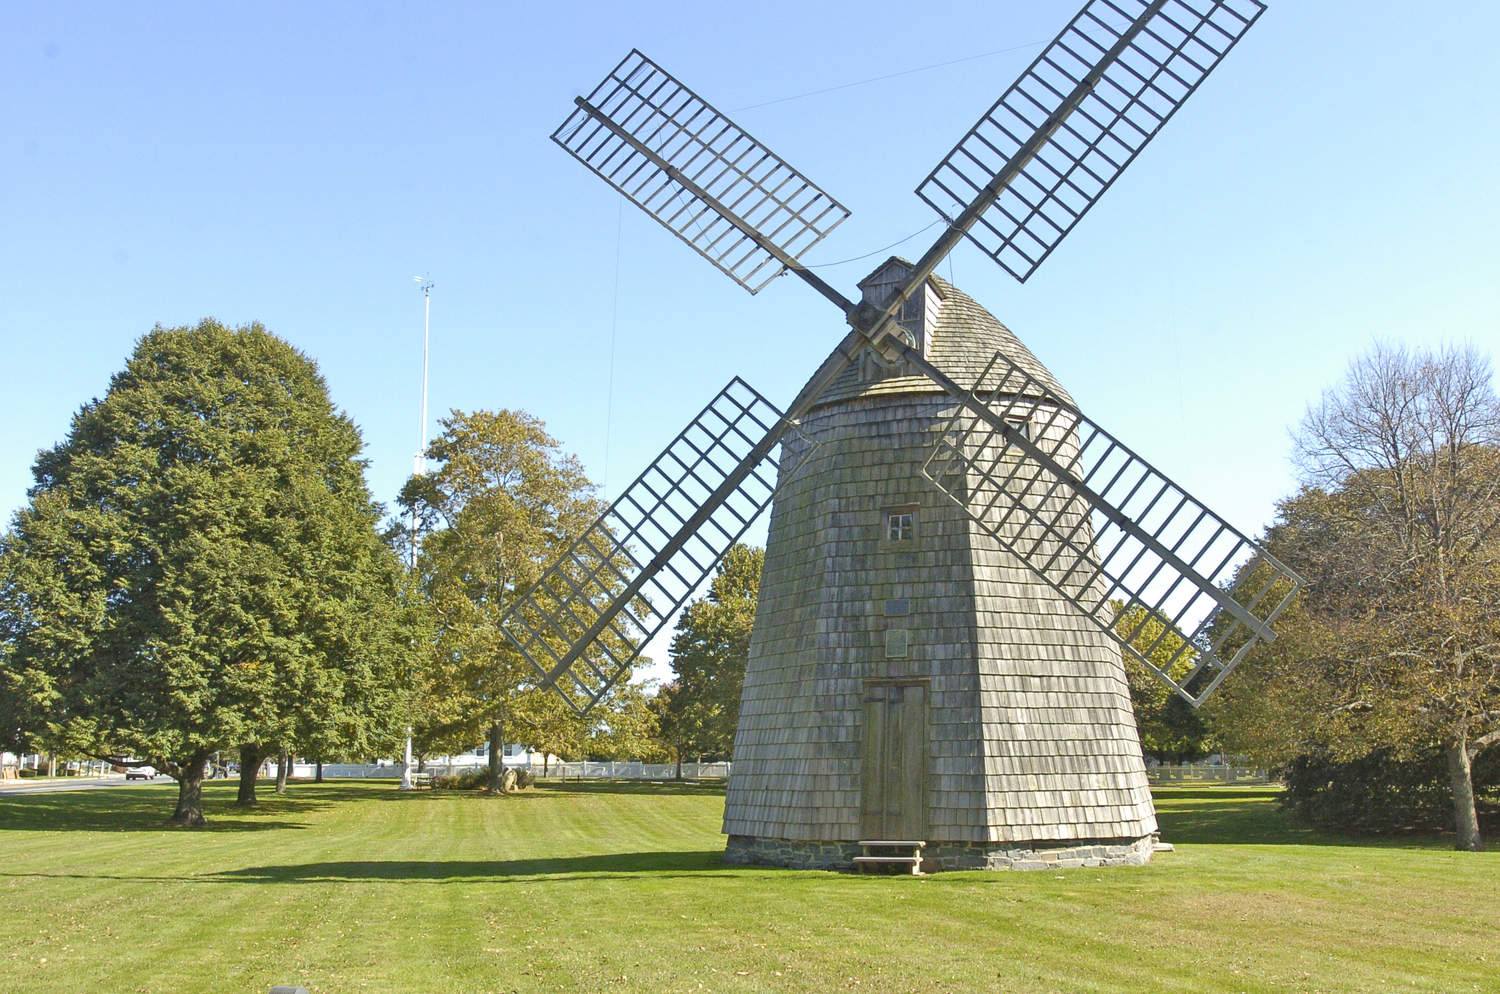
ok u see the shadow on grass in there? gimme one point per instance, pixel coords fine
(585, 867)
(146, 809)
(1230, 816)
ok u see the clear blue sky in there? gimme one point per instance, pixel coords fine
(1332, 183)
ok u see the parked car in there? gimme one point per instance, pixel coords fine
(140, 773)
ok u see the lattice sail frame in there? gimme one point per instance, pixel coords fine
(1138, 93)
(602, 585)
(707, 151)
(1109, 532)
(1086, 106)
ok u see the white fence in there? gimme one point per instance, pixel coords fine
(635, 771)
(553, 771)
(356, 771)
(1161, 775)
(1205, 774)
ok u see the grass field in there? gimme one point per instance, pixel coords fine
(618, 887)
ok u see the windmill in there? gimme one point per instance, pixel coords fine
(953, 543)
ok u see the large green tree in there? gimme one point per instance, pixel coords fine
(502, 505)
(701, 707)
(542, 722)
(1169, 728)
(624, 725)
(1394, 647)
(199, 562)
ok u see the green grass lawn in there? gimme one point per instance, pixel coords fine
(618, 887)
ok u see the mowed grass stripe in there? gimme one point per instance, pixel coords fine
(586, 887)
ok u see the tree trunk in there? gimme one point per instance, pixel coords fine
(421, 762)
(250, 758)
(282, 762)
(189, 813)
(679, 763)
(319, 777)
(52, 764)
(1465, 818)
(497, 755)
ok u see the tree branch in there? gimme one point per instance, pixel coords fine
(1476, 746)
(117, 761)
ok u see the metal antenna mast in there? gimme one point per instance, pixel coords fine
(419, 464)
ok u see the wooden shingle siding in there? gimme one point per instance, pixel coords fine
(1031, 737)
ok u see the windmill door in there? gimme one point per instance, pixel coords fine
(893, 763)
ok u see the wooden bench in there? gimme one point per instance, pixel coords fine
(420, 780)
(884, 854)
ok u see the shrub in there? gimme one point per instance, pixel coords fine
(475, 779)
(479, 779)
(1378, 792)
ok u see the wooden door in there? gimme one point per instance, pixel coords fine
(893, 763)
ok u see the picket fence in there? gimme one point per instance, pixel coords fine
(720, 771)
(553, 771)
(635, 771)
(1205, 774)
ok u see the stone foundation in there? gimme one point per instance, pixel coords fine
(748, 850)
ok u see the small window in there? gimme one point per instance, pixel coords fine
(1021, 425)
(895, 643)
(900, 526)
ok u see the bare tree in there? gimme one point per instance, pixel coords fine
(1396, 531)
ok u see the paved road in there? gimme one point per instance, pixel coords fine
(11, 787)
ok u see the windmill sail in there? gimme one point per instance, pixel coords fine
(588, 617)
(1016, 184)
(698, 173)
(1109, 532)
(1068, 127)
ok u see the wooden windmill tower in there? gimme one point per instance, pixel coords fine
(910, 679)
(936, 653)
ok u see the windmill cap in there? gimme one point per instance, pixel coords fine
(957, 335)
